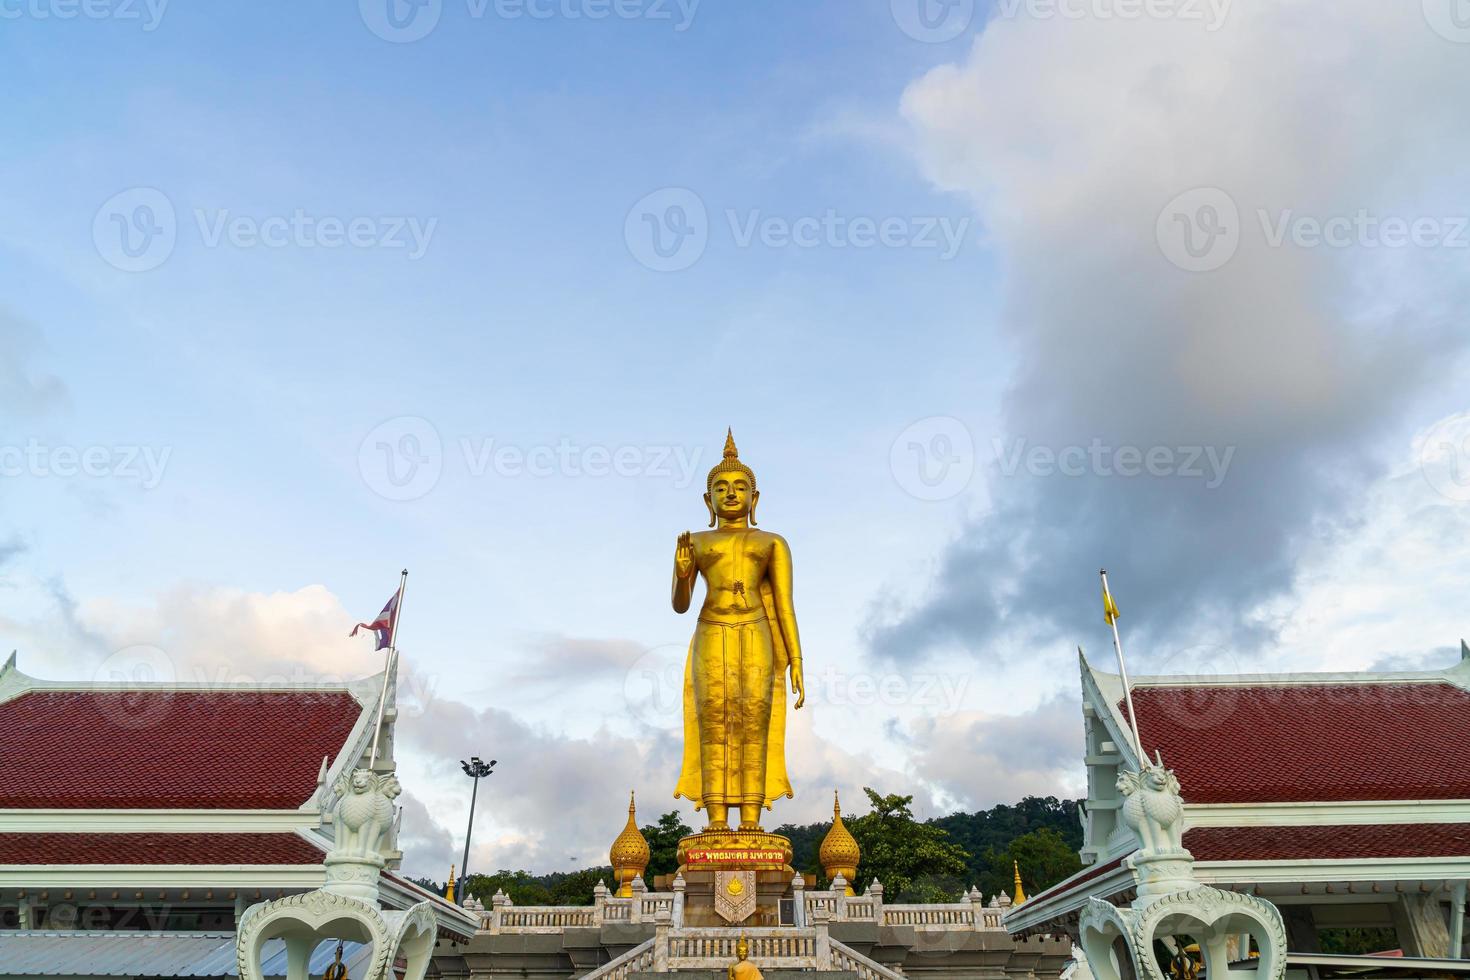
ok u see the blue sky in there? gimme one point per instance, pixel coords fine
(524, 154)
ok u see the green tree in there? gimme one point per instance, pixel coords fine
(914, 861)
(1044, 856)
(663, 843)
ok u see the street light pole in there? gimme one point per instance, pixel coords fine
(475, 769)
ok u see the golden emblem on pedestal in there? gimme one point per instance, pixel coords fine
(630, 853)
(744, 645)
(839, 853)
(735, 895)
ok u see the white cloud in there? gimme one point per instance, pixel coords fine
(1072, 137)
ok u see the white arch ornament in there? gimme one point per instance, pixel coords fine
(1171, 903)
(346, 907)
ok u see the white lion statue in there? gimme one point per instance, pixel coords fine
(1153, 807)
(365, 812)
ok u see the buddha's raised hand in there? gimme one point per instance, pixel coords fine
(684, 556)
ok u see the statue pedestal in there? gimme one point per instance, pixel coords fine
(735, 878)
(699, 900)
(735, 850)
(353, 877)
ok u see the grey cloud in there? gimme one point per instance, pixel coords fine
(1303, 361)
(567, 796)
(24, 391)
(980, 761)
(426, 844)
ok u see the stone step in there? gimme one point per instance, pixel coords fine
(771, 974)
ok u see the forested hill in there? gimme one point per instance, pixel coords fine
(1042, 834)
(917, 861)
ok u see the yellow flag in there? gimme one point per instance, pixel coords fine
(1110, 608)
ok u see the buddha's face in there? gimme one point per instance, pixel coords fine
(731, 496)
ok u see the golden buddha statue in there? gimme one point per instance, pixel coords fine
(744, 644)
(742, 968)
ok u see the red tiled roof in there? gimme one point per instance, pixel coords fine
(130, 849)
(1311, 742)
(1431, 840)
(169, 749)
(1081, 878)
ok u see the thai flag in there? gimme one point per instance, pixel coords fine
(383, 625)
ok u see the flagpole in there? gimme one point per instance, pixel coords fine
(388, 669)
(1123, 673)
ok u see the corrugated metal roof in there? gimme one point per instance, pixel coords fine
(148, 954)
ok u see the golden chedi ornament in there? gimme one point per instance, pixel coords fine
(839, 853)
(630, 853)
(1020, 896)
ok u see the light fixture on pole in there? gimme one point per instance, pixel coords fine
(476, 768)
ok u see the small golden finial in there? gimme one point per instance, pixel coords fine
(730, 450)
(630, 853)
(449, 892)
(839, 853)
(1020, 896)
